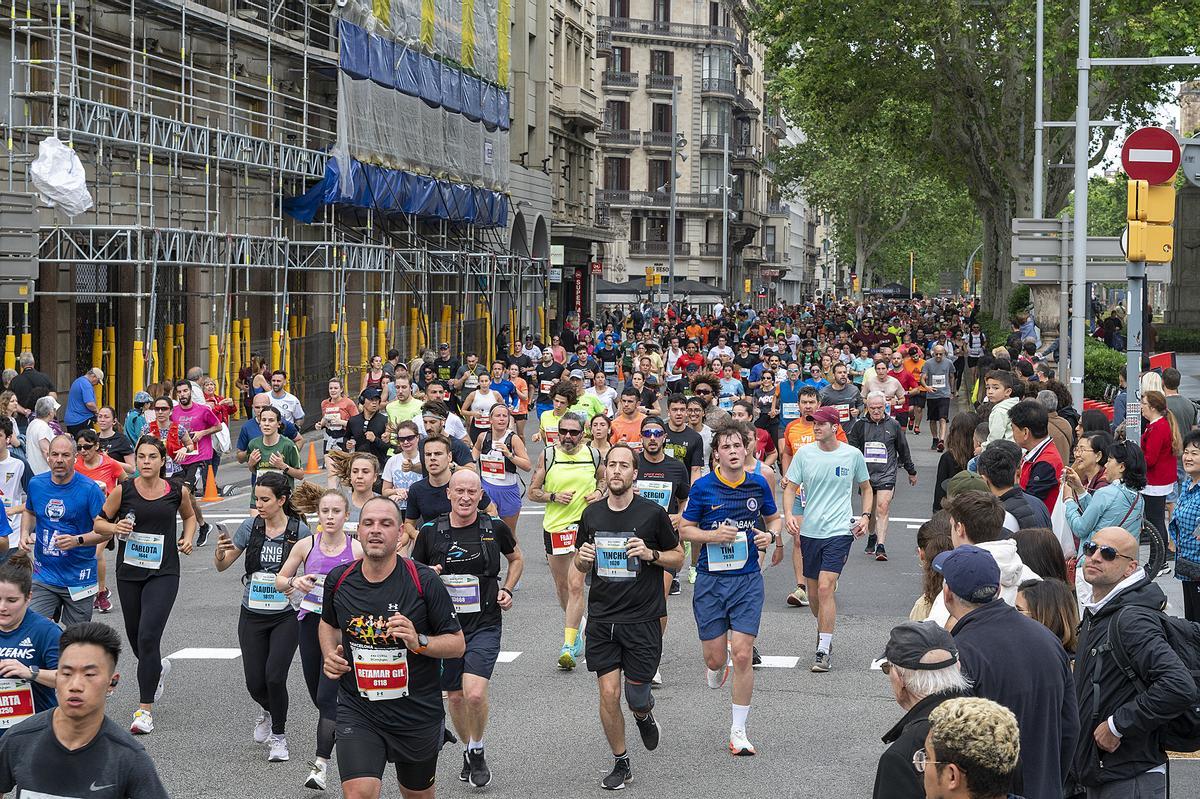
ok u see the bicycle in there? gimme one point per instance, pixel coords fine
(1152, 550)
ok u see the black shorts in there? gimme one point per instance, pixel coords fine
(363, 750)
(549, 544)
(191, 475)
(883, 486)
(483, 647)
(917, 401)
(520, 417)
(634, 648)
(939, 408)
(972, 362)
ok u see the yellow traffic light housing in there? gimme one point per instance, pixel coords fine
(1150, 209)
(1151, 243)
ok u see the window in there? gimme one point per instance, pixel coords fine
(660, 174)
(618, 8)
(616, 174)
(718, 63)
(714, 13)
(620, 60)
(769, 242)
(710, 173)
(657, 227)
(616, 115)
(662, 10)
(714, 117)
(660, 116)
(662, 62)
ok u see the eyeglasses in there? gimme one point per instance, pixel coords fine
(563, 432)
(920, 760)
(1107, 553)
(653, 433)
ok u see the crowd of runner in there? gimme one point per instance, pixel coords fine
(668, 448)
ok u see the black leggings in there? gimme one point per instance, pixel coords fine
(1191, 600)
(321, 689)
(268, 642)
(146, 606)
(1156, 513)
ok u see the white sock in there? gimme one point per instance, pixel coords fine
(824, 642)
(739, 716)
(474, 744)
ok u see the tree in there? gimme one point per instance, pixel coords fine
(1106, 205)
(967, 70)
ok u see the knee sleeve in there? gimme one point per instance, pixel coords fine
(637, 696)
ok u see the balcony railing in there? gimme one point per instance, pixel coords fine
(718, 86)
(712, 141)
(662, 82)
(603, 41)
(620, 80)
(658, 248)
(711, 250)
(618, 137)
(775, 122)
(653, 199)
(752, 252)
(744, 103)
(777, 208)
(748, 152)
(657, 138)
(626, 26)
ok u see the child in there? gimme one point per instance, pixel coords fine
(1000, 386)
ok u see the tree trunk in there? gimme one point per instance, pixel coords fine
(997, 257)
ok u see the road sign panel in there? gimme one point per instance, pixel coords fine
(1151, 154)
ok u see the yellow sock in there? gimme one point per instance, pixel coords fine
(569, 635)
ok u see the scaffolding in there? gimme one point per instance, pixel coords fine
(195, 120)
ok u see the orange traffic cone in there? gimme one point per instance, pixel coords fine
(312, 467)
(210, 487)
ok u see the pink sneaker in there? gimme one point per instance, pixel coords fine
(102, 603)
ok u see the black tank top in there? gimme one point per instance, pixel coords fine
(155, 525)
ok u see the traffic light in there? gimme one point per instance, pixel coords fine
(1150, 209)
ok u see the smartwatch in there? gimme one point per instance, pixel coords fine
(79, 538)
(422, 642)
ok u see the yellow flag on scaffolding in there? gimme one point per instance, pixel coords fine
(383, 12)
(468, 34)
(503, 29)
(428, 20)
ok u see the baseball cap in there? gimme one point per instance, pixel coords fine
(971, 572)
(141, 398)
(825, 414)
(964, 481)
(443, 346)
(370, 393)
(576, 374)
(911, 641)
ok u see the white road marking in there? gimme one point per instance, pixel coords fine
(508, 657)
(779, 662)
(913, 526)
(903, 519)
(203, 653)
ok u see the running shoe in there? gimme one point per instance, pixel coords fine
(739, 744)
(871, 541)
(755, 658)
(649, 730)
(692, 575)
(103, 603)
(941, 447)
(798, 598)
(880, 553)
(910, 427)
(821, 662)
(202, 534)
(143, 722)
(916, 430)
(656, 680)
(481, 775)
(316, 777)
(676, 590)
(465, 774)
(162, 678)
(279, 750)
(262, 728)
(566, 658)
(621, 774)
(717, 677)
(933, 444)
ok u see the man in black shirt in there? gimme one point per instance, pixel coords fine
(427, 498)
(386, 625)
(445, 365)
(546, 374)
(683, 443)
(663, 480)
(365, 431)
(30, 386)
(464, 547)
(625, 542)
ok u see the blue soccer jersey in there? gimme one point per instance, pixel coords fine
(713, 500)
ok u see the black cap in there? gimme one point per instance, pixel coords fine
(912, 640)
(370, 393)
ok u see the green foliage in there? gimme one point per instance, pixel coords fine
(1106, 205)
(1101, 367)
(1178, 339)
(1018, 300)
(996, 332)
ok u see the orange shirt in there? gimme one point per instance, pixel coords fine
(522, 394)
(106, 474)
(627, 431)
(800, 432)
(914, 368)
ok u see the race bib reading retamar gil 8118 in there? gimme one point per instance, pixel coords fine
(380, 673)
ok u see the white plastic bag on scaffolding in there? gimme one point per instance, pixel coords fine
(58, 176)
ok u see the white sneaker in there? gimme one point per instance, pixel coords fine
(739, 745)
(279, 750)
(656, 680)
(143, 722)
(717, 677)
(262, 728)
(316, 777)
(162, 678)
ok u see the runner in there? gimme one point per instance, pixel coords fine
(520, 412)
(336, 412)
(766, 399)
(173, 435)
(427, 497)
(911, 387)
(888, 384)
(113, 442)
(478, 406)
(201, 424)
(627, 424)
(828, 470)
(682, 442)
(404, 468)
(464, 547)
(663, 480)
(267, 629)
(844, 396)
(547, 373)
(566, 480)
(563, 396)
(28, 643)
(57, 528)
(626, 543)
(106, 472)
(386, 625)
(363, 471)
(599, 436)
(938, 386)
(303, 575)
(914, 364)
(723, 513)
(73, 747)
(883, 445)
(270, 452)
(500, 452)
(146, 507)
(12, 481)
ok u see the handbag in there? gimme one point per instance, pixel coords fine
(221, 441)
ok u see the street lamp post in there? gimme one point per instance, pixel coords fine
(725, 189)
(671, 221)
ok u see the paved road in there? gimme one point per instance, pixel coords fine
(817, 735)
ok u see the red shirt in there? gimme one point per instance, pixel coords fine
(908, 383)
(222, 407)
(1160, 460)
(686, 360)
(764, 445)
(106, 474)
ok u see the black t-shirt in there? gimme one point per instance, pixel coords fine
(523, 361)
(112, 766)
(623, 596)
(685, 446)
(30, 386)
(465, 557)
(546, 377)
(361, 609)
(460, 453)
(649, 398)
(356, 431)
(116, 446)
(427, 501)
(669, 471)
(446, 368)
(154, 539)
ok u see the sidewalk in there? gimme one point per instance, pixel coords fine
(1189, 369)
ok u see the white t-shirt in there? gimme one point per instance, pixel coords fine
(608, 398)
(393, 472)
(454, 427)
(11, 472)
(39, 431)
(289, 407)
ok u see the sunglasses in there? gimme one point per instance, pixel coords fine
(84, 447)
(562, 432)
(406, 439)
(162, 409)
(700, 393)
(1107, 553)
(653, 434)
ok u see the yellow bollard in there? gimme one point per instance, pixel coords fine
(110, 364)
(155, 372)
(246, 341)
(275, 352)
(214, 356)
(26, 342)
(138, 369)
(98, 362)
(303, 325)
(10, 351)
(235, 350)
(337, 349)
(381, 336)
(542, 325)
(168, 369)
(181, 342)
(513, 331)
(445, 333)
(414, 346)
(364, 343)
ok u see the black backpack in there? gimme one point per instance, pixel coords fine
(489, 548)
(258, 537)
(1182, 733)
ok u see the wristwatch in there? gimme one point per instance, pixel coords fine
(33, 673)
(654, 555)
(422, 643)
(79, 538)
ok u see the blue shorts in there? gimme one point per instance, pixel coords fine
(727, 602)
(507, 499)
(483, 649)
(825, 554)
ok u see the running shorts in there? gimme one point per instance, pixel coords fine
(483, 648)
(364, 750)
(635, 648)
(727, 602)
(939, 408)
(825, 554)
(507, 499)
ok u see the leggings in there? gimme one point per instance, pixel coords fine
(321, 689)
(268, 642)
(146, 606)
(1156, 513)
(1191, 600)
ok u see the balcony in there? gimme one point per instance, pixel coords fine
(658, 248)
(752, 252)
(580, 106)
(748, 152)
(742, 55)
(663, 83)
(774, 122)
(626, 28)
(620, 81)
(603, 42)
(778, 208)
(657, 140)
(618, 137)
(688, 201)
(712, 141)
(708, 250)
(771, 165)
(721, 86)
(743, 105)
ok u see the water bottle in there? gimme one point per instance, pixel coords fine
(130, 517)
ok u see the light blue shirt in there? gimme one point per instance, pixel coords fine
(829, 480)
(1114, 505)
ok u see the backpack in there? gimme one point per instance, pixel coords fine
(487, 539)
(409, 564)
(550, 457)
(1182, 733)
(258, 537)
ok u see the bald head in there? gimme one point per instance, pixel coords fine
(464, 491)
(1119, 539)
(1111, 556)
(465, 478)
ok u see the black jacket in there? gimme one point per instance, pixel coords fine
(1013, 660)
(895, 778)
(1138, 717)
(1028, 510)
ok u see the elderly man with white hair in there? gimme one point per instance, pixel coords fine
(921, 662)
(81, 401)
(881, 440)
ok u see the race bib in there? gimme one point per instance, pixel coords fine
(725, 403)
(635, 445)
(144, 550)
(464, 592)
(16, 702)
(937, 381)
(350, 529)
(728, 557)
(551, 437)
(563, 543)
(483, 422)
(612, 561)
(471, 381)
(380, 674)
(315, 599)
(658, 491)
(334, 421)
(79, 592)
(492, 464)
(610, 367)
(875, 452)
(791, 409)
(545, 386)
(263, 593)
(843, 413)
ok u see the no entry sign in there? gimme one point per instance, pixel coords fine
(1150, 154)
